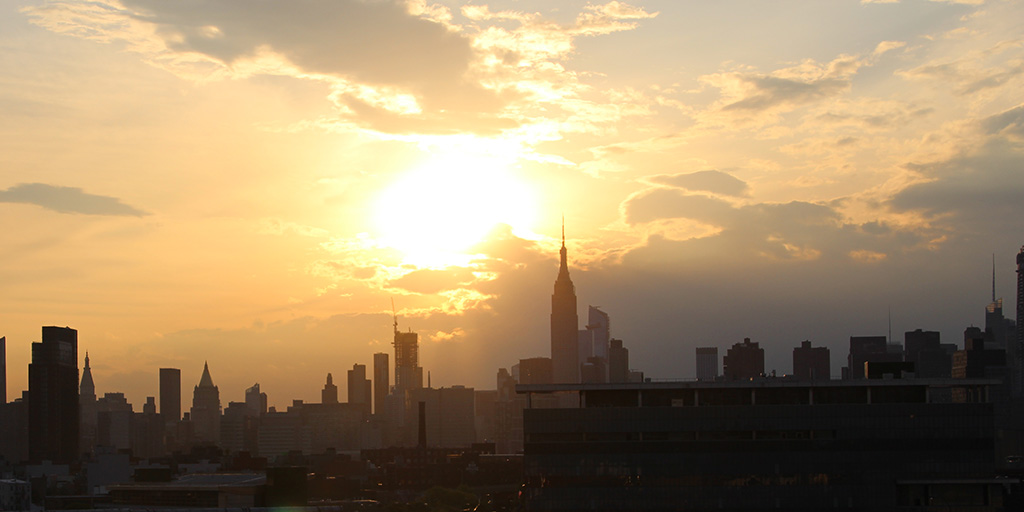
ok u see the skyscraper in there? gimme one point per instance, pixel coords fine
(206, 409)
(618, 362)
(3, 370)
(564, 325)
(359, 391)
(53, 397)
(170, 394)
(329, 395)
(599, 324)
(408, 374)
(87, 409)
(381, 381)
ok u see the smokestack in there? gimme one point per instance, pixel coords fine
(423, 425)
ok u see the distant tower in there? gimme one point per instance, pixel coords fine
(206, 409)
(707, 363)
(3, 370)
(87, 408)
(811, 363)
(564, 324)
(381, 381)
(359, 390)
(618, 362)
(256, 401)
(1018, 352)
(408, 373)
(53, 416)
(170, 395)
(743, 361)
(329, 395)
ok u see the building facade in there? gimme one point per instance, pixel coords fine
(53, 415)
(742, 445)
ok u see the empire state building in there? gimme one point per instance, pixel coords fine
(564, 325)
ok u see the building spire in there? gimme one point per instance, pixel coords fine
(993, 277)
(206, 381)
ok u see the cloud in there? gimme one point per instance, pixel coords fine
(67, 200)
(431, 281)
(715, 182)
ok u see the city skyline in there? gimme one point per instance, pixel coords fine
(188, 184)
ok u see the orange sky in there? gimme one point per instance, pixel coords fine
(253, 183)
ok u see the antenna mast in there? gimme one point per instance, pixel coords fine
(394, 314)
(993, 277)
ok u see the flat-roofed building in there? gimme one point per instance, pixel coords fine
(766, 444)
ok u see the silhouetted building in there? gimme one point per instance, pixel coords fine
(450, 417)
(593, 371)
(206, 409)
(381, 381)
(329, 395)
(599, 324)
(932, 359)
(359, 390)
(508, 414)
(255, 400)
(53, 417)
(811, 363)
(87, 409)
(772, 444)
(238, 428)
(564, 324)
(535, 370)
(707, 363)
(148, 427)
(408, 373)
(618, 362)
(1019, 341)
(3, 370)
(114, 421)
(868, 348)
(743, 361)
(170, 395)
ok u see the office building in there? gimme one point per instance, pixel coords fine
(450, 420)
(868, 348)
(1019, 348)
(931, 358)
(329, 395)
(170, 395)
(535, 370)
(707, 363)
(53, 416)
(359, 390)
(618, 362)
(255, 401)
(206, 409)
(811, 363)
(766, 445)
(564, 324)
(381, 381)
(743, 361)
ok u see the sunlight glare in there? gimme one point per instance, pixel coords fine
(435, 213)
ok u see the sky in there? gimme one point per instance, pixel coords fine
(254, 183)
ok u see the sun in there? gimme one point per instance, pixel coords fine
(436, 212)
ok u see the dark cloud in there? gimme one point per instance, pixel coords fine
(769, 92)
(662, 203)
(716, 182)
(979, 190)
(375, 43)
(1009, 122)
(430, 281)
(67, 200)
